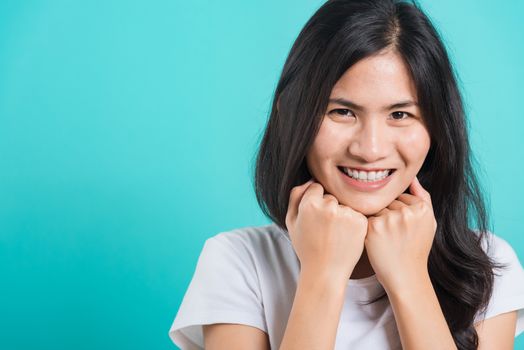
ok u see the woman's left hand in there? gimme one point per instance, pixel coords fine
(399, 239)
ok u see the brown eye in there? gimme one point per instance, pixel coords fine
(399, 115)
(343, 112)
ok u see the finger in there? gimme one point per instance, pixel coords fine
(296, 196)
(382, 212)
(314, 192)
(408, 199)
(417, 190)
(396, 205)
(330, 198)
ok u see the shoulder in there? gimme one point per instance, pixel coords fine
(508, 285)
(252, 234)
(498, 249)
(252, 240)
(228, 282)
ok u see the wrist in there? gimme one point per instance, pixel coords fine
(410, 285)
(323, 278)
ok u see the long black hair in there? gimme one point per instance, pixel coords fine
(339, 34)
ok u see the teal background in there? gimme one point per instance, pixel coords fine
(127, 134)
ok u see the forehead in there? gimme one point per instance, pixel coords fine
(376, 80)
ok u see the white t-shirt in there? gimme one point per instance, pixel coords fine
(249, 276)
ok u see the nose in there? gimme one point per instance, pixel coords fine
(371, 141)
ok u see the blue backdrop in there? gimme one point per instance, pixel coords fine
(127, 135)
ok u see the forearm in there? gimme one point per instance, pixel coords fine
(420, 321)
(315, 313)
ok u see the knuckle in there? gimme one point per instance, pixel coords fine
(346, 213)
(363, 225)
(405, 212)
(308, 205)
(331, 210)
(333, 197)
(423, 206)
(329, 197)
(361, 219)
(294, 191)
(304, 205)
(316, 185)
(393, 217)
(293, 194)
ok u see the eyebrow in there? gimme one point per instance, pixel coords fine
(353, 105)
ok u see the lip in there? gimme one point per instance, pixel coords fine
(365, 186)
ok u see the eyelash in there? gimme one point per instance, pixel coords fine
(348, 110)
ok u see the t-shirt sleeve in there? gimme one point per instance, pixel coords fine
(508, 288)
(224, 289)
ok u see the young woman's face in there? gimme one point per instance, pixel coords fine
(372, 124)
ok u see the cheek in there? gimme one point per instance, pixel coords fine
(415, 145)
(327, 145)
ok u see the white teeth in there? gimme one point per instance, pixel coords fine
(367, 176)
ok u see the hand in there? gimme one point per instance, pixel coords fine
(400, 237)
(328, 237)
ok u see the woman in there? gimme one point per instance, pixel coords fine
(365, 171)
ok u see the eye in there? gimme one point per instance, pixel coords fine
(400, 115)
(342, 112)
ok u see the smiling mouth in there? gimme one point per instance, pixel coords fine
(366, 176)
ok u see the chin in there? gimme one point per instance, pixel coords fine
(366, 209)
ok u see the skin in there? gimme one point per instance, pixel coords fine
(386, 231)
(374, 137)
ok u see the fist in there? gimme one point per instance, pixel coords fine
(327, 237)
(400, 237)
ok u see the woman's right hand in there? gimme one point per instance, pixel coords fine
(328, 237)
